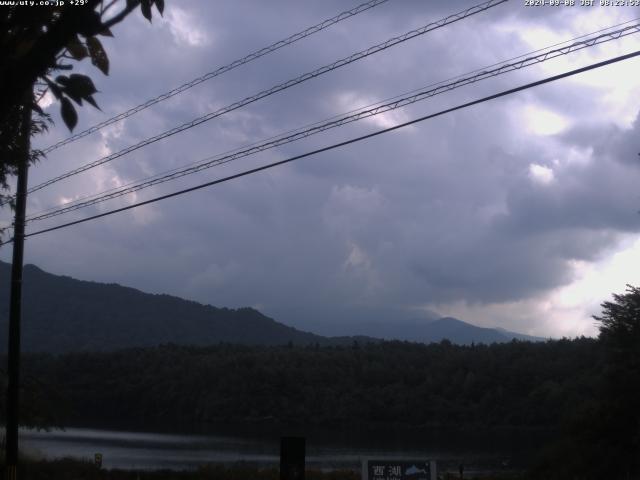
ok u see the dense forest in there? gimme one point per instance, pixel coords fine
(582, 394)
(531, 389)
(393, 383)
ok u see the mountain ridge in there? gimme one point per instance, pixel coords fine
(63, 314)
(433, 330)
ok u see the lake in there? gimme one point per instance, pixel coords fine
(139, 450)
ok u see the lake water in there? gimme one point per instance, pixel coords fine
(152, 451)
(135, 450)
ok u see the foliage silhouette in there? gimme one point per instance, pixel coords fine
(35, 43)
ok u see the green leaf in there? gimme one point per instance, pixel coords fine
(77, 87)
(69, 115)
(90, 23)
(91, 100)
(73, 96)
(98, 55)
(77, 50)
(82, 84)
(145, 7)
(160, 6)
(62, 80)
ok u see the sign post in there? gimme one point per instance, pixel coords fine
(292, 458)
(398, 469)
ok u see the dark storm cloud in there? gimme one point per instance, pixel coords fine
(445, 211)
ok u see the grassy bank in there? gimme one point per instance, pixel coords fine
(81, 470)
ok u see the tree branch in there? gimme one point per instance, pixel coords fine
(41, 96)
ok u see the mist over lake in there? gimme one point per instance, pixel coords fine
(154, 451)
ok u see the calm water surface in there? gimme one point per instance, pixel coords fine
(133, 450)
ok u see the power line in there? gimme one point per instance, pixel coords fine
(342, 144)
(451, 79)
(219, 71)
(282, 86)
(398, 102)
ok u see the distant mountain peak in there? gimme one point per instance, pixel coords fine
(63, 314)
(430, 330)
(520, 336)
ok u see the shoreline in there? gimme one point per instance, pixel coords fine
(67, 468)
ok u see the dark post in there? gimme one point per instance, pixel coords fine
(13, 367)
(292, 458)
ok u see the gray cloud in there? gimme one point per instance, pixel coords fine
(440, 212)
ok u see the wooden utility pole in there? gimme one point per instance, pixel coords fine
(15, 305)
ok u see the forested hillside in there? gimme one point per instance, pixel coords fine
(62, 314)
(394, 383)
(571, 394)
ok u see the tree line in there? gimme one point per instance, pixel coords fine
(584, 392)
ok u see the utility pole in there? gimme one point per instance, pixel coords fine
(15, 305)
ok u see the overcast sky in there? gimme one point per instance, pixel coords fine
(520, 213)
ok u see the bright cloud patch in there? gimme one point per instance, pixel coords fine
(357, 258)
(540, 174)
(46, 101)
(583, 297)
(351, 101)
(543, 122)
(184, 29)
(565, 311)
